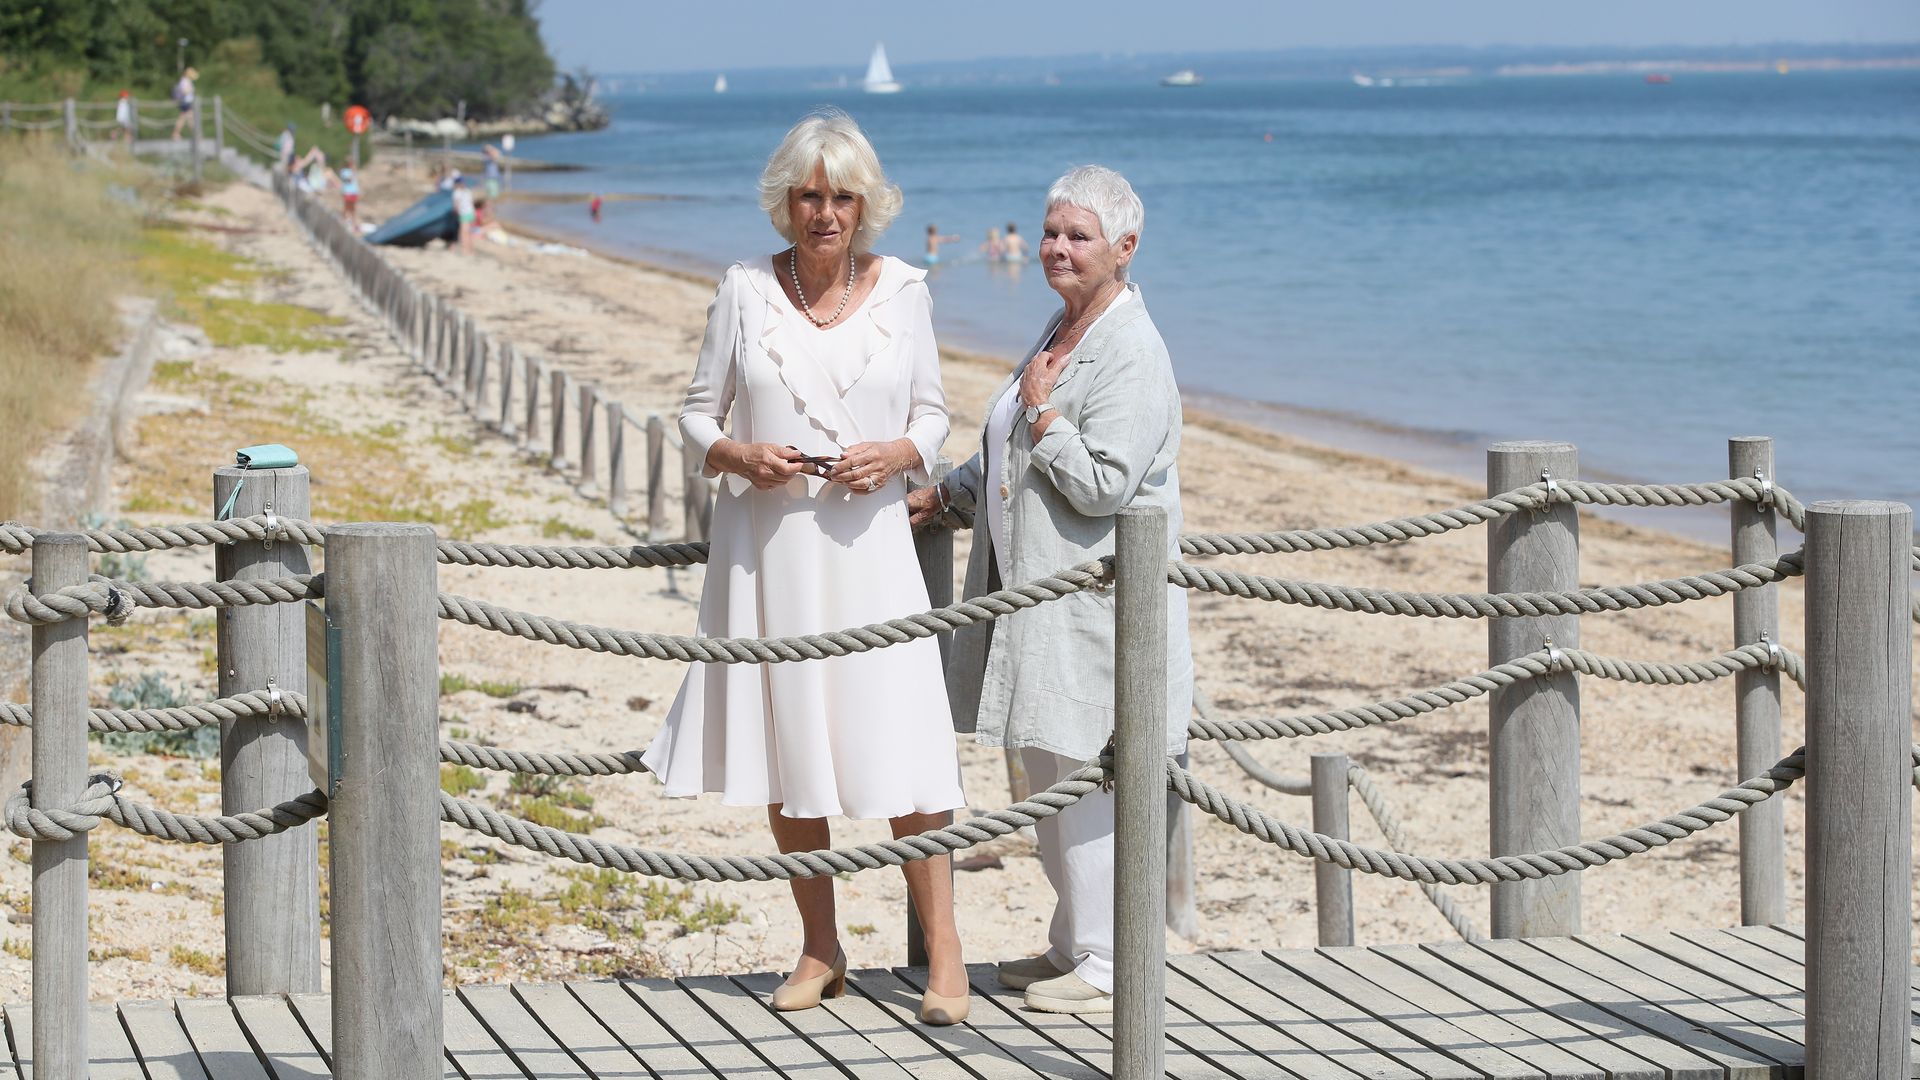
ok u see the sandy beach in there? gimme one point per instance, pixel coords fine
(384, 441)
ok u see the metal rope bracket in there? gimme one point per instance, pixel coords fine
(1765, 501)
(1546, 497)
(1556, 660)
(1773, 652)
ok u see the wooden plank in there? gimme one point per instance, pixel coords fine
(1265, 1043)
(897, 1002)
(475, 1051)
(1069, 1033)
(1435, 997)
(639, 1031)
(910, 1045)
(1388, 1006)
(1537, 1023)
(1005, 1030)
(695, 1028)
(1738, 1062)
(1660, 981)
(1781, 1031)
(315, 1012)
(20, 1034)
(754, 1024)
(855, 1050)
(223, 1047)
(520, 1033)
(1677, 1061)
(573, 1027)
(277, 1032)
(162, 1044)
(109, 1055)
(1307, 996)
(1292, 1024)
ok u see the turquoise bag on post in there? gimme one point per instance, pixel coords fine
(264, 456)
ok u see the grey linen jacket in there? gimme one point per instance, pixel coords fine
(1043, 677)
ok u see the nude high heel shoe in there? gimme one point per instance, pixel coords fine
(792, 996)
(938, 1010)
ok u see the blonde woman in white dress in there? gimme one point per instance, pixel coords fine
(821, 351)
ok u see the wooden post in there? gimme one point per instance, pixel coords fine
(1140, 787)
(385, 841)
(558, 459)
(1756, 694)
(197, 174)
(442, 341)
(509, 360)
(1534, 739)
(73, 126)
(1332, 885)
(588, 395)
(272, 884)
(483, 358)
(474, 356)
(616, 459)
(695, 504)
(219, 128)
(1859, 789)
(530, 432)
(60, 718)
(656, 477)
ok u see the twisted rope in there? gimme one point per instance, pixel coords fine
(102, 802)
(244, 706)
(1531, 666)
(117, 599)
(1362, 784)
(800, 864)
(1484, 605)
(772, 650)
(1570, 859)
(546, 764)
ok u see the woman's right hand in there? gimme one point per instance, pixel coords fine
(924, 504)
(765, 465)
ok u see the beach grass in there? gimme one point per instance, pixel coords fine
(68, 240)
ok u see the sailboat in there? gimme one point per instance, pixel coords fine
(879, 78)
(720, 83)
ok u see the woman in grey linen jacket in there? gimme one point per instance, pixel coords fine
(1087, 424)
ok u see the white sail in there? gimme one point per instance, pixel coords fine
(720, 84)
(879, 78)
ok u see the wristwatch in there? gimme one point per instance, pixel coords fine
(1035, 412)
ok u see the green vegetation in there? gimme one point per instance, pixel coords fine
(198, 962)
(555, 529)
(153, 691)
(453, 683)
(66, 240)
(406, 57)
(458, 780)
(196, 273)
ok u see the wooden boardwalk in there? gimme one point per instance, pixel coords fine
(1710, 1003)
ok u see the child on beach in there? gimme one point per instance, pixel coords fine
(350, 196)
(593, 208)
(463, 206)
(934, 239)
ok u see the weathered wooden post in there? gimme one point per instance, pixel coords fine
(1756, 692)
(385, 842)
(589, 393)
(1140, 787)
(1332, 885)
(197, 173)
(696, 504)
(219, 128)
(558, 457)
(509, 360)
(1534, 737)
(60, 718)
(532, 429)
(483, 358)
(1859, 789)
(73, 126)
(656, 477)
(272, 884)
(616, 459)
(475, 358)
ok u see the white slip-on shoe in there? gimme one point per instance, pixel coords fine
(1068, 993)
(1020, 974)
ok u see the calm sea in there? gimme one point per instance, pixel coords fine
(1641, 269)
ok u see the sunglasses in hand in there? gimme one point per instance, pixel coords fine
(820, 464)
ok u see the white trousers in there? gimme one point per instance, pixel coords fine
(1076, 849)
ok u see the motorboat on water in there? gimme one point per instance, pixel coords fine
(430, 219)
(879, 78)
(1183, 77)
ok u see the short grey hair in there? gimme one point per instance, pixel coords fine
(1106, 195)
(830, 138)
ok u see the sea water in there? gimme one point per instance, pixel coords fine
(1640, 269)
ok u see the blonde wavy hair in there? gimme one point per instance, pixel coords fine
(830, 138)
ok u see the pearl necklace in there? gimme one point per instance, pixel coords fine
(793, 271)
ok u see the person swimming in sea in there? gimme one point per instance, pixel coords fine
(1014, 247)
(935, 238)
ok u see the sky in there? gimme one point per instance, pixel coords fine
(641, 36)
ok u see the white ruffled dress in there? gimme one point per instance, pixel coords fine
(863, 736)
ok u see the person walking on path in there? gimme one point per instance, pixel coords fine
(183, 98)
(123, 116)
(349, 196)
(823, 358)
(1088, 423)
(463, 208)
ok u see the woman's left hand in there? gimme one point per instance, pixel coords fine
(868, 466)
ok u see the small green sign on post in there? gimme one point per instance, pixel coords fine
(323, 699)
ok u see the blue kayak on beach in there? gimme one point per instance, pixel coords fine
(432, 218)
